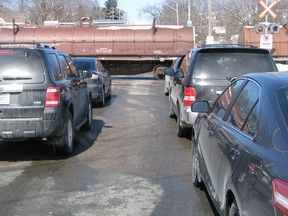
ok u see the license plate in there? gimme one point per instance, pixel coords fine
(4, 98)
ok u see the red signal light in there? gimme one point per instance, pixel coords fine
(274, 28)
(260, 28)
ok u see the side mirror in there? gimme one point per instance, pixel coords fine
(180, 74)
(200, 106)
(86, 74)
(169, 71)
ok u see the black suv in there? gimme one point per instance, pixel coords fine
(42, 95)
(211, 69)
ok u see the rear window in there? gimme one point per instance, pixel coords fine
(85, 64)
(23, 66)
(228, 65)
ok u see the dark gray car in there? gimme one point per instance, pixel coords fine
(99, 83)
(42, 95)
(211, 69)
(240, 149)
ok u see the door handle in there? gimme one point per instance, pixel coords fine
(211, 133)
(234, 152)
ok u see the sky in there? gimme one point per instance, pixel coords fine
(132, 7)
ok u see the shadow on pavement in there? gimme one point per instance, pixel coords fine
(37, 149)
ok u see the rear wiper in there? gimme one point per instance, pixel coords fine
(16, 78)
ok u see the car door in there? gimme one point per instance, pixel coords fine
(211, 155)
(231, 138)
(176, 90)
(77, 87)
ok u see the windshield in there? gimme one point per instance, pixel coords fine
(228, 65)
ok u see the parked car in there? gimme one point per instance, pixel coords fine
(42, 96)
(282, 67)
(211, 69)
(240, 149)
(181, 63)
(99, 83)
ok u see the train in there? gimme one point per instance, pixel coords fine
(123, 49)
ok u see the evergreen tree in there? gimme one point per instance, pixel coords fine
(111, 10)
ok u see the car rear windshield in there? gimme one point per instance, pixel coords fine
(227, 65)
(23, 66)
(84, 64)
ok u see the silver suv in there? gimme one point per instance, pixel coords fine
(211, 69)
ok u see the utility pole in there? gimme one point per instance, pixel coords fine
(210, 18)
(189, 22)
(21, 6)
(175, 9)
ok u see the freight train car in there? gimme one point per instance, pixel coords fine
(279, 49)
(125, 49)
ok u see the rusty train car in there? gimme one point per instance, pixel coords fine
(279, 49)
(124, 49)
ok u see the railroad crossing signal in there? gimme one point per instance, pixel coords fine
(268, 8)
(273, 28)
(259, 28)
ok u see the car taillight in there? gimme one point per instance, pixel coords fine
(189, 96)
(280, 194)
(52, 97)
(6, 51)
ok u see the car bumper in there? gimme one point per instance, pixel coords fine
(51, 125)
(189, 117)
(31, 128)
(96, 91)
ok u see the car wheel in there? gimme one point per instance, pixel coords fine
(110, 93)
(64, 145)
(234, 211)
(101, 103)
(181, 130)
(172, 113)
(88, 124)
(166, 92)
(196, 179)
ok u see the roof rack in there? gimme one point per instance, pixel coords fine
(26, 45)
(226, 45)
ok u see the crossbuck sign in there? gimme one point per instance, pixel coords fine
(268, 8)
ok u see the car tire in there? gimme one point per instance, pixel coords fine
(196, 177)
(88, 124)
(181, 131)
(166, 91)
(64, 145)
(172, 113)
(101, 103)
(110, 93)
(234, 210)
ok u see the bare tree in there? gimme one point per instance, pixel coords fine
(39, 11)
(151, 12)
(165, 15)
